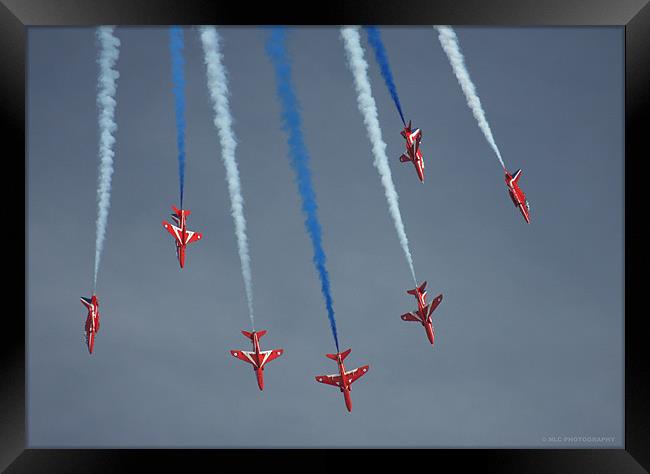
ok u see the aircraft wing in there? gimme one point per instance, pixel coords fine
(333, 379)
(192, 236)
(434, 304)
(357, 373)
(245, 356)
(410, 317)
(271, 355)
(173, 230)
(416, 137)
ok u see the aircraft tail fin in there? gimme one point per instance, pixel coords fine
(407, 128)
(249, 335)
(180, 212)
(86, 301)
(420, 288)
(343, 355)
(516, 176)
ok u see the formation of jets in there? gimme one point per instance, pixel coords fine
(413, 154)
(259, 358)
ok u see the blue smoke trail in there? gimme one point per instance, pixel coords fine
(299, 157)
(178, 79)
(374, 37)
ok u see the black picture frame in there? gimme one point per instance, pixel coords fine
(634, 15)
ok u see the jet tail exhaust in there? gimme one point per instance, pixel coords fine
(450, 45)
(107, 88)
(276, 49)
(368, 108)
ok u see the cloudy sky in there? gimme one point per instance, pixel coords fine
(529, 336)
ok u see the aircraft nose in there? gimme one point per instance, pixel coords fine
(430, 334)
(260, 379)
(348, 402)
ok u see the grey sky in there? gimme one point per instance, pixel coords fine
(529, 337)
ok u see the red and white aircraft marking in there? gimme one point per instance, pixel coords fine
(423, 313)
(181, 235)
(517, 195)
(344, 379)
(92, 320)
(413, 152)
(257, 358)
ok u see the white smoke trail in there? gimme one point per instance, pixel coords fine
(449, 42)
(107, 87)
(368, 108)
(218, 87)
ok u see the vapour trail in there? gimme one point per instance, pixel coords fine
(106, 90)
(218, 88)
(449, 42)
(176, 44)
(374, 37)
(299, 158)
(368, 108)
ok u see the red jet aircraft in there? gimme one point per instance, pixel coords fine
(181, 235)
(423, 313)
(258, 358)
(92, 320)
(517, 195)
(344, 379)
(413, 152)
